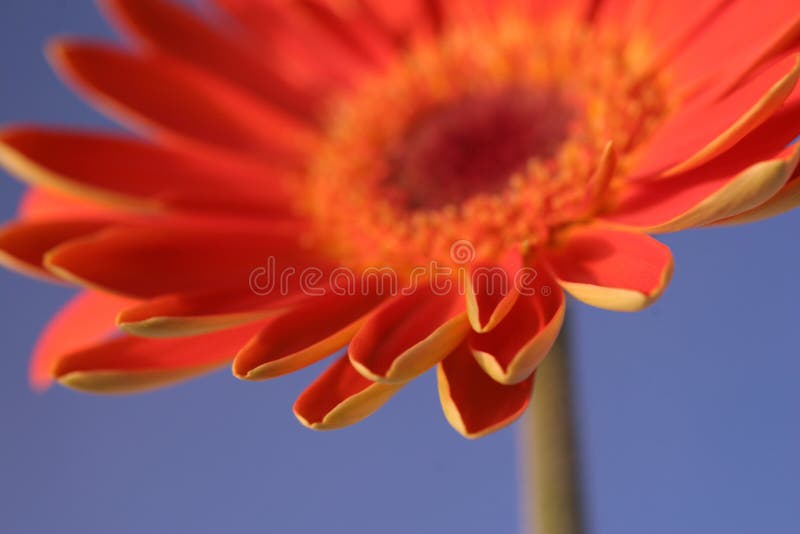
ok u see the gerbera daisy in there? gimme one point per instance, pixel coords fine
(305, 138)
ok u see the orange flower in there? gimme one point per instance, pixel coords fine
(338, 137)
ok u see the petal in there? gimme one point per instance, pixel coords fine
(150, 260)
(188, 314)
(132, 364)
(23, 246)
(135, 175)
(408, 335)
(38, 204)
(293, 44)
(741, 35)
(473, 403)
(787, 199)
(706, 129)
(180, 103)
(313, 330)
(169, 28)
(704, 195)
(490, 291)
(341, 397)
(511, 352)
(612, 269)
(85, 320)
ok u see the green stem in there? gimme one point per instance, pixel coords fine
(550, 452)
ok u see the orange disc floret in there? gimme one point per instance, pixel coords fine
(488, 133)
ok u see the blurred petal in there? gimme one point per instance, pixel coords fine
(178, 102)
(132, 365)
(85, 320)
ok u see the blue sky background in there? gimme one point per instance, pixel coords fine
(689, 411)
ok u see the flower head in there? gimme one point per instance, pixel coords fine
(416, 181)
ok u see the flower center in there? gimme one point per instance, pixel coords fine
(474, 145)
(491, 133)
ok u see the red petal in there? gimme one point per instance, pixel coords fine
(133, 174)
(718, 190)
(180, 102)
(408, 335)
(706, 129)
(474, 404)
(168, 28)
(289, 39)
(198, 313)
(612, 269)
(730, 44)
(86, 320)
(341, 397)
(511, 352)
(39, 204)
(788, 198)
(151, 260)
(491, 292)
(313, 330)
(23, 246)
(131, 364)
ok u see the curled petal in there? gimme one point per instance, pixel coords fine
(473, 403)
(511, 352)
(408, 335)
(490, 291)
(341, 397)
(612, 269)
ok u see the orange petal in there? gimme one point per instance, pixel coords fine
(313, 330)
(704, 195)
(38, 204)
(171, 29)
(612, 269)
(86, 320)
(473, 403)
(177, 101)
(706, 129)
(511, 352)
(787, 199)
(293, 44)
(740, 36)
(341, 397)
(150, 260)
(491, 292)
(132, 174)
(408, 335)
(132, 364)
(23, 246)
(188, 314)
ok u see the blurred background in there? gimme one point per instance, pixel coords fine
(688, 411)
